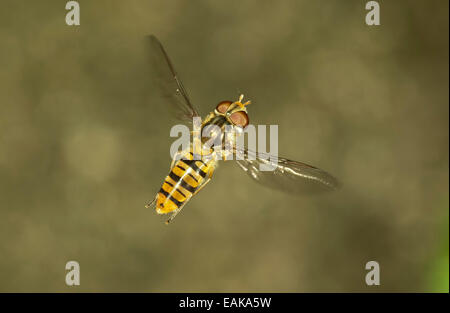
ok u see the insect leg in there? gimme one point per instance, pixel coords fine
(175, 213)
(150, 204)
(175, 158)
(210, 173)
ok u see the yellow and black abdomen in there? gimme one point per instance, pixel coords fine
(184, 179)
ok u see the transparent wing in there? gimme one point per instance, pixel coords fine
(288, 176)
(169, 83)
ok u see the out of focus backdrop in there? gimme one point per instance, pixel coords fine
(84, 144)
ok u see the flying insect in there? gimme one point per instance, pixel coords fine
(189, 173)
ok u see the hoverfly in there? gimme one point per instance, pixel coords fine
(188, 175)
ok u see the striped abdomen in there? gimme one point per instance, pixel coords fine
(184, 179)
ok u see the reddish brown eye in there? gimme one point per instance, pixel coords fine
(222, 107)
(239, 118)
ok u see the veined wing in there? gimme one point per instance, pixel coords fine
(170, 84)
(288, 176)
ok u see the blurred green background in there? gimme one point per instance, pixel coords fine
(84, 144)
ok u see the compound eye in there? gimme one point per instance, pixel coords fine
(222, 107)
(239, 118)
